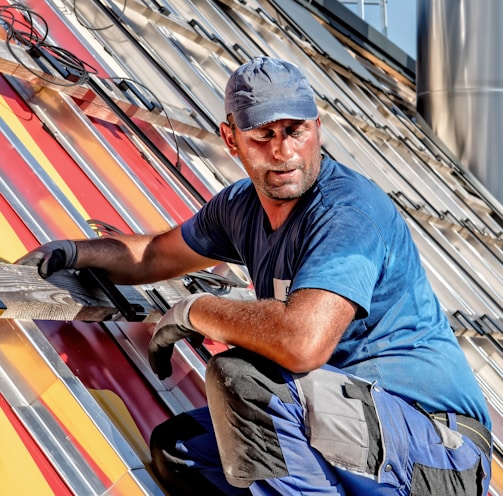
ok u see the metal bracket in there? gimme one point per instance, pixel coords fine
(132, 312)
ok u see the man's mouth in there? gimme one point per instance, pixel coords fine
(284, 173)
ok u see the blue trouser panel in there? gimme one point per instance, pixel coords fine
(319, 433)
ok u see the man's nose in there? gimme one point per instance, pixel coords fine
(282, 147)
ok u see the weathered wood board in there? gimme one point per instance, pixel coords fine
(60, 297)
(64, 296)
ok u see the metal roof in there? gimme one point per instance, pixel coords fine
(109, 118)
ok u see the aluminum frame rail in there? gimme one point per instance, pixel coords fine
(136, 58)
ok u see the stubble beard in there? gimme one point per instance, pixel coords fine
(291, 190)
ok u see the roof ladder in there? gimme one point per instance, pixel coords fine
(360, 10)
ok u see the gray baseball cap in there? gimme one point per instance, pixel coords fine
(266, 90)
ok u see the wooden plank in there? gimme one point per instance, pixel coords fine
(60, 297)
(64, 296)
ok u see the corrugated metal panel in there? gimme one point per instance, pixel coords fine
(136, 146)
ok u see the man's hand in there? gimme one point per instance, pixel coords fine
(51, 257)
(174, 326)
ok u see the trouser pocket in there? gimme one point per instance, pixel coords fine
(340, 420)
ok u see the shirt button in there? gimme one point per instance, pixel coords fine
(388, 468)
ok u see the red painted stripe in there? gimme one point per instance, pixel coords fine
(170, 153)
(81, 185)
(24, 234)
(158, 187)
(48, 211)
(94, 357)
(53, 479)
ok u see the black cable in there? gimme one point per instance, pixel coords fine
(91, 28)
(148, 142)
(119, 82)
(23, 33)
(75, 70)
(178, 84)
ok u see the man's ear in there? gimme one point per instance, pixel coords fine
(228, 137)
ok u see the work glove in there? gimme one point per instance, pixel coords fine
(51, 257)
(173, 326)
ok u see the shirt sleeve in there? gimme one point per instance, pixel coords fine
(211, 231)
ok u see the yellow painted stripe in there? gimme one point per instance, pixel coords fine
(19, 474)
(17, 127)
(80, 427)
(497, 476)
(11, 247)
(117, 411)
(30, 371)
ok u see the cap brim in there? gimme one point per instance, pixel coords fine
(271, 111)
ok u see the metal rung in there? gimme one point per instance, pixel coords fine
(361, 4)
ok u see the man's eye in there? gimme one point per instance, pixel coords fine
(295, 132)
(263, 137)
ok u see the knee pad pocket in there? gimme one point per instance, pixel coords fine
(428, 480)
(240, 386)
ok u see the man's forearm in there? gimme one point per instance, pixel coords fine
(122, 257)
(299, 336)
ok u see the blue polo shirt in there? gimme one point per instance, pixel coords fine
(346, 236)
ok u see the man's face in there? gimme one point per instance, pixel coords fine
(282, 158)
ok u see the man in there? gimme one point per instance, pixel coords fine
(344, 376)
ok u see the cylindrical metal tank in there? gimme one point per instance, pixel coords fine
(460, 81)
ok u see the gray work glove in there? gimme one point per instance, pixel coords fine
(51, 257)
(173, 326)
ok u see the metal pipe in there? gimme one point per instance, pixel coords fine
(460, 82)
